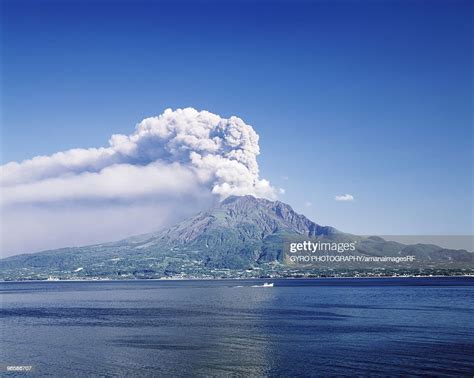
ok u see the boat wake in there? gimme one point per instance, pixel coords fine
(266, 284)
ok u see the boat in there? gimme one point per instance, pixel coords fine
(266, 284)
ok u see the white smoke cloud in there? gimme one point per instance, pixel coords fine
(192, 146)
(179, 154)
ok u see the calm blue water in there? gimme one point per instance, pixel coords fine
(220, 328)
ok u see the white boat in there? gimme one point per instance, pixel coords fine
(266, 284)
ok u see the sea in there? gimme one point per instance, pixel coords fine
(298, 327)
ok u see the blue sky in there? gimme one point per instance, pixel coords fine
(371, 98)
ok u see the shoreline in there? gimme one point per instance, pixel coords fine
(237, 279)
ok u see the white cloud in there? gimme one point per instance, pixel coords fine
(344, 197)
(173, 150)
(181, 154)
(118, 181)
(308, 204)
